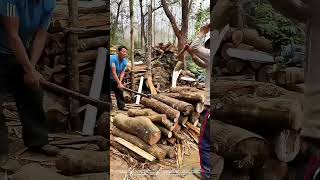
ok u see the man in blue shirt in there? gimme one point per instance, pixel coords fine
(118, 65)
(23, 30)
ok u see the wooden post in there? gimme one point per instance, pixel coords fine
(73, 63)
(132, 43)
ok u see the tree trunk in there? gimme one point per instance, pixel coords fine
(181, 106)
(287, 145)
(265, 114)
(139, 126)
(149, 44)
(156, 151)
(143, 34)
(162, 108)
(242, 148)
(73, 64)
(132, 39)
(80, 162)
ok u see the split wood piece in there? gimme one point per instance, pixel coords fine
(194, 136)
(251, 37)
(199, 107)
(265, 114)
(154, 149)
(194, 128)
(181, 106)
(139, 126)
(103, 123)
(151, 86)
(224, 49)
(135, 149)
(170, 151)
(139, 90)
(153, 116)
(194, 118)
(235, 66)
(218, 164)
(240, 147)
(35, 171)
(161, 107)
(183, 120)
(71, 162)
(272, 169)
(88, 139)
(190, 97)
(179, 136)
(165, 132)
(172, 141)
(126, 151)
(251, 56)
(287, 145)
(53, 87)
(260, 89)
(289, 75)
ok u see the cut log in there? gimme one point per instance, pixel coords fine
(57, 119)
(139, 126)
(179, 136)
(141, 112)
(289, 75)
(102, 124)
(190, 97)
(252, 56)
(287, 145)
(245, 47)
(264, 73)
(135, 149)
(127, 97)
(93, 43)
(154, 149)
(194, 128)
(199, 107)
(218, 164)
(86, 56)
(80, 162)
(183, 88)
(172, 141)
(240, 147)
(181, 106)
(235, 66)
(161, 107)
(151, 86)
(272, 169)
(165, 132)
(170, 151)
(251, 37)
(260, 114)
(194, 119)
(183, 120)
(224, 49)
(85, 84)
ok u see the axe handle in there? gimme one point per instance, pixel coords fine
(76, 95)
(141, 94)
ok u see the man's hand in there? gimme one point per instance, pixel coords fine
(31, 79)
(120, 86)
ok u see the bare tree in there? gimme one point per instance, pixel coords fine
(182, 34)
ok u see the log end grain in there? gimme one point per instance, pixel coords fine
(287, 145)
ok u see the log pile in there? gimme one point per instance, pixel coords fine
(256, 128)
(165, 122)
(53, 62)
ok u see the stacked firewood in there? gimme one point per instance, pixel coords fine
(53, 63)
(256, 129)
(159, 128)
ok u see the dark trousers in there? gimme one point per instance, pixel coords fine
(29, 103)
(119, 94)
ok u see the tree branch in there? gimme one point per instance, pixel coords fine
(170, 17)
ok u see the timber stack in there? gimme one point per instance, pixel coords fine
(159, 128)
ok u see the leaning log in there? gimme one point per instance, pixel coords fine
(181, 106)
(153, 149)
(255, 113)
(80, 162)
(139, 126)
(240, 147)
(161, 107)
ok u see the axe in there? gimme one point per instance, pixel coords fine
(141, 94)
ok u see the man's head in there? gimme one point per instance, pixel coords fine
(122, 52)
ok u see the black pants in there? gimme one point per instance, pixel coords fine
(119, 94)
(29, 104)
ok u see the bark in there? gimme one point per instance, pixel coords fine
(183, 120)
(90, 43)
(289, 75)
(251, 37)
(80, 162)
(172, 141)
(141, 112)
(86, 56)
(170, 151)
(287, 145)
(165, 132)
(156, 151)
(139, 126)
(125, 150)
(181, 106)
(190, 97)
(235, 66)
(222, 13)
(265, 114)
(132, 39)
(245, 46)
(102, 124)
(143, 34)
(240, 147)
(179, 136)
(149, 40)
(162, 108)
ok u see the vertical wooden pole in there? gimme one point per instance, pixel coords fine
(73, 63)
(132, 31)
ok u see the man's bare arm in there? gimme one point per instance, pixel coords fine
(11, 26)
(122, 76)
(115, 76)
(38, 45)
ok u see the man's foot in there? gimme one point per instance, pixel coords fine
(47, 149)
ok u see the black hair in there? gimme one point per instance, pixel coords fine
(121, 47)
